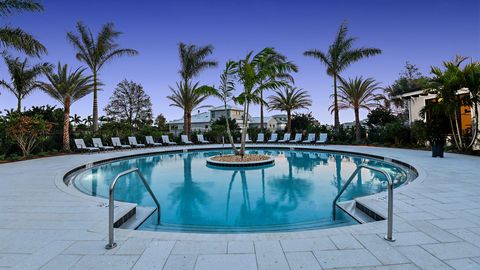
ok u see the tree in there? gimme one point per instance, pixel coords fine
(23, 77)
(340, 56)
(95, 53)
(28, 132)
(446, 84)
(288, 100)
(250, 74)
(161, 122)
(193, 60)
(304, 121)
(16, 38)
(76, 119)
(187, 97)
(358, 94)
(379, 117)
(279, 69)
(129, 102)
(225, 94)
(67, 87)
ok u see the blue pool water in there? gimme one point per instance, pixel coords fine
(295, 193)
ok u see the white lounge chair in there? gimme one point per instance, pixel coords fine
(297, 139)
(133, 142)
(97, 142)
(286, 138)
(247, 139)
(201, 139)
(322, 138)
(81, 146)
(273, 138)
(149, 140)
(117, 143)
(185, 140)
(310, 138)
(166, 140)
(260, 138)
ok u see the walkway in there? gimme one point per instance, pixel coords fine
(44, 224)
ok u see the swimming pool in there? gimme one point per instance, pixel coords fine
(294, 193)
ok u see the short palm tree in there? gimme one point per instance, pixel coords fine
(23, 77)
(95, 52)
(288, 100)
(339, 56)
(358, 94)
(16, 38)
(187, 97)
(193, 60)
(67, 87)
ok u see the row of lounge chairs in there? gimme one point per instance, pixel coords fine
(298, 138)
(132, 141)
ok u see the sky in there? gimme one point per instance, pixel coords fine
(424, 33)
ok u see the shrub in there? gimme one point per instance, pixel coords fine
(28, 132)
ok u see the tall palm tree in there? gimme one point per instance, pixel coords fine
(76, 119)
(193, 60)
(187, 97)
(339, 56)
(67, 87)
(252, 77)
(280, 69)
(95, 52)
(16, 38)
(288, 100)
(358, 94)
(23, 77)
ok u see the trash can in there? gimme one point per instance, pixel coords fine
(438, 144)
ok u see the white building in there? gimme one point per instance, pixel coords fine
(202, 121)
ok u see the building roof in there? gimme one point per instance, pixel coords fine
(222, 108)
(196, 118)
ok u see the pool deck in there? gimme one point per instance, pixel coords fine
(44, 224)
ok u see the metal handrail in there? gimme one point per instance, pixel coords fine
(111, 199)
(389, 236)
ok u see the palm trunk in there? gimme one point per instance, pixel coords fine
(261, 110)
(244, 130)
(19, 104)
(358, 127)
(66, 126)
(95, 102)
(229, 133)
(457, 144)
(474, 126)
(289, 121)
(335, 104)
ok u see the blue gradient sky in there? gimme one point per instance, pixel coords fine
(421, 32)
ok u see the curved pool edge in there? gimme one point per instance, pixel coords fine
(70, 189)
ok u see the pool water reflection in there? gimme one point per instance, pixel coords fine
(295, 193)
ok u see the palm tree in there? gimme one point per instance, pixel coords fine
(288, 100)
(187, 97)
(16, 38)
(76, 119)
(193, 60)
(358, 94)
(67, 87)
(279, 68)
(252, 77)
(96, 52)
(225, 93)
(23, 77)
(339, 56)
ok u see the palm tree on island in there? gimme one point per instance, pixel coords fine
(340, 55)
(288, 100)
(358, 94)
(67, 87)
(95, 53)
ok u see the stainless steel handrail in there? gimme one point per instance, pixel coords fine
(389, 236)
(111, 199)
